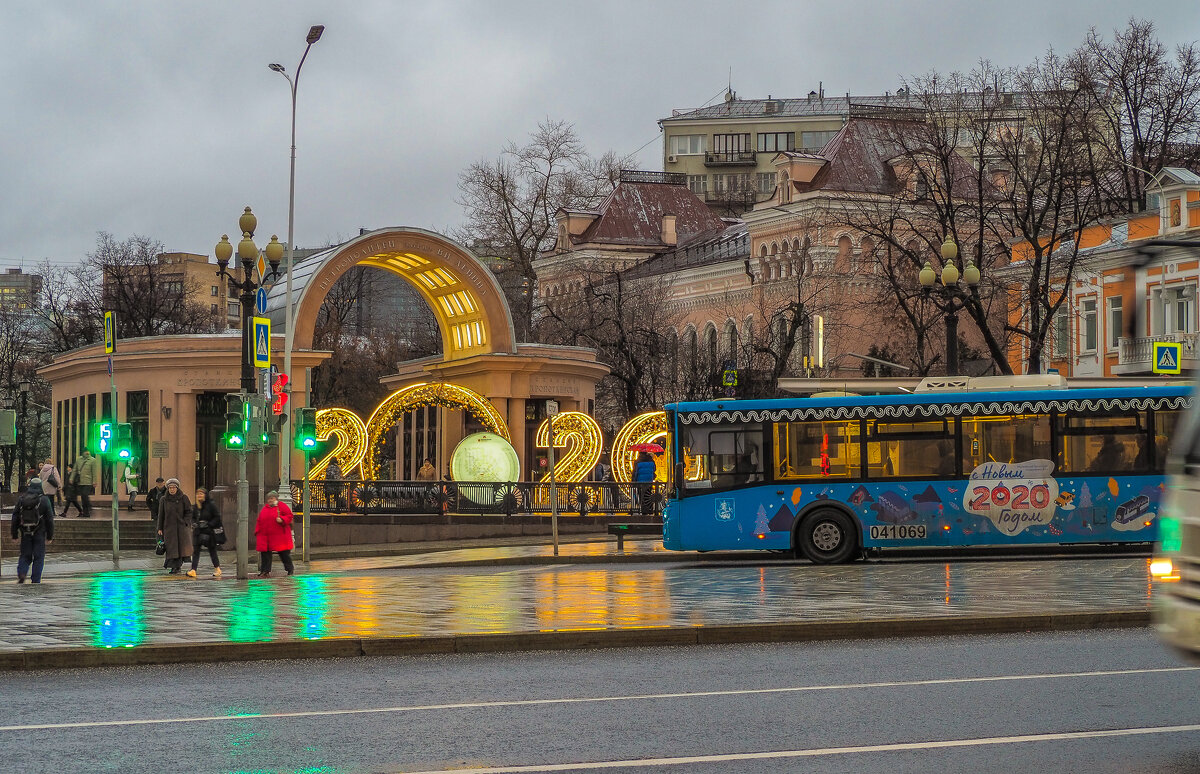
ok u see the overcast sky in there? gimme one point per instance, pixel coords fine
(162, 119)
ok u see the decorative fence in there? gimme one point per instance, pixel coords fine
(587, 498)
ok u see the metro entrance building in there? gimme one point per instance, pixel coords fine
(171, 388)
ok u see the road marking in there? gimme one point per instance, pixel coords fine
(590, 699)
(822, 751)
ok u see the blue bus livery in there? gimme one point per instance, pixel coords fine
(829, 477)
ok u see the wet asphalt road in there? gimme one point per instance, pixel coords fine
(631, 705)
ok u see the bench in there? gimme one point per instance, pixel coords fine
(639, 528)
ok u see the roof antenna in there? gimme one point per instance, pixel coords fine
(729, 95)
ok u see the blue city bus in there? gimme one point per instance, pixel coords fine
(830, 478)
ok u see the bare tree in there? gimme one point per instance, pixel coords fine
(629, 323)
(511, 202)
(1148, 104)
(151, 298)
(67, 320)
(20, 357)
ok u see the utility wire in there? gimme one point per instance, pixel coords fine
(657, 136)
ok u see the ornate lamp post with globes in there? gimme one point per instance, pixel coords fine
(949, 296)
(247, 256)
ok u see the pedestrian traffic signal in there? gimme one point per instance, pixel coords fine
(235, 422)
(124, 443)
(279, 390)
(306, 429)
(101, 441)
(256, 422)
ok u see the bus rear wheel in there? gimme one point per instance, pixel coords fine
(827, 536)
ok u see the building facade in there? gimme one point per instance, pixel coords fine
(1118, 304)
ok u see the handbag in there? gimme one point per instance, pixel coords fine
(160, 548)
(219, 534)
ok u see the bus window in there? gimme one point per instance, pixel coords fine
(817, 450)
(1005, 439)
(1165, 423)
(899, 449)
(1104, 444)
(731, 455)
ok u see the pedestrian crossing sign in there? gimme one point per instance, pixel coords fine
(1168, 357)
(262, 342)
(110, 332)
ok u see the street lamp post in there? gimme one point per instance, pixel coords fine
(285, 457)
(948, 296)
(247, 253)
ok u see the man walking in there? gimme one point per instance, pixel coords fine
(153, 497)
(33, 525)
(87, 473)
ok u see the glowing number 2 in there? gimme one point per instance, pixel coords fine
(351, 446)
(581, 455)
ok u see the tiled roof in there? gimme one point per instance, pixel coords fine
(859, 157)
(803, 107)
(632, 215)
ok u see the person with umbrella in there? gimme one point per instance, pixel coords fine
(644, 472)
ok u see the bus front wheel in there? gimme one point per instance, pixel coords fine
(827, 536)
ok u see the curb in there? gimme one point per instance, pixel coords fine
(513, 642)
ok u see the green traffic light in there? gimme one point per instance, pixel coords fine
(308, 443)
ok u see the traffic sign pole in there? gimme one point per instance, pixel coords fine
(110, 346)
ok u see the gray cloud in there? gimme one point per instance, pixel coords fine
(163, 119)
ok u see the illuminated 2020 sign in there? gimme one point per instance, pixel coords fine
(360, 444)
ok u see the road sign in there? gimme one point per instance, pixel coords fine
(1168, 357)
(551, 408)
(110, 365)
(262, 342)
(110, 333)
(261, 265)
(260, 300)
(729, 378)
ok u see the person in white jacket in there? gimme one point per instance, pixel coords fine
(52, 481)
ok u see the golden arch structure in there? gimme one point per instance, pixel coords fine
(479, 349)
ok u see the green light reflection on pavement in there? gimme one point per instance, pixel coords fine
(312, 606)
(116, 603)
(252, 613)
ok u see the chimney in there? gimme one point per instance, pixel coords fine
(668, 230)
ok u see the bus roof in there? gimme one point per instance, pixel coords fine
(942, 403)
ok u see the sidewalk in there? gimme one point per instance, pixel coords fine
(335, 608)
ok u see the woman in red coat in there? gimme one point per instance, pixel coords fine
(273, 532)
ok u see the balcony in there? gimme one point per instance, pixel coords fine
(1136, 355)
(730, 159)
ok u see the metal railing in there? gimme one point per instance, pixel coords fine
(587, 498)
(718, 158)
(1132, 351)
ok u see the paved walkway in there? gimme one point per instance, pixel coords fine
(337, 599)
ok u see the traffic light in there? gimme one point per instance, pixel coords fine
(256, 422)
(102, 438)
(306, 429)
(124, 444)
(279, 390)
(235, 422)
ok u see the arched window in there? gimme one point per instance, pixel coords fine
(845, 255)
(691, 347)
(710, 346)
(729, 341)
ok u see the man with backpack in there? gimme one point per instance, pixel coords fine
(33, 525)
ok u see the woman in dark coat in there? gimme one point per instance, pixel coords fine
(208, 531)
(175, 525)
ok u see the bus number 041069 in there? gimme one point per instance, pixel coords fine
(897, 532)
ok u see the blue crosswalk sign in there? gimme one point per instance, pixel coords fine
(262, 342)
(1168, 357)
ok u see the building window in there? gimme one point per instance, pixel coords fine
(215, 290)
(815, 141)
(1115, 322)
(173, 288)
(731, 183)
(766, 182)
(731, 143)
(214, 309)
(776, 141)
(1088, 321)
(687, 144)
(698, 184)
(1061, 335)
(1184, 317)
(235, 309)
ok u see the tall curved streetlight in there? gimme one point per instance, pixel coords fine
(314, 34)
(950, 298)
